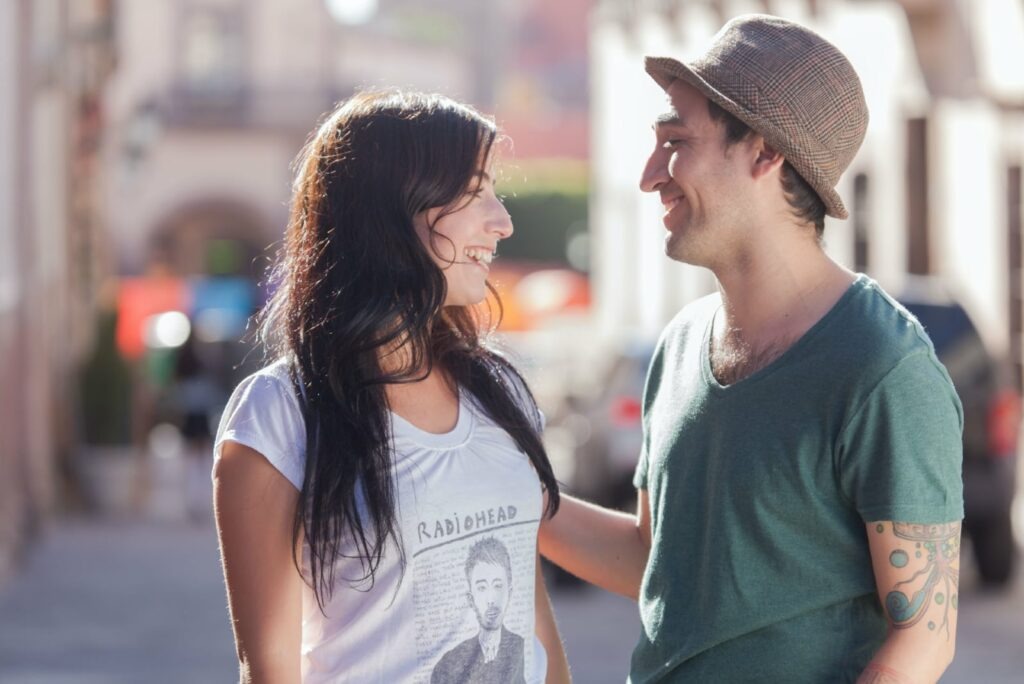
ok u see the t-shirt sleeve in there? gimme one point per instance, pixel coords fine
(640, 475)
(263, 414)
(900, 455)
(651, 384)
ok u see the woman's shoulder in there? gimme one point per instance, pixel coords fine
(512, 381)
(273, 380)
(264, 414)
(270, 391)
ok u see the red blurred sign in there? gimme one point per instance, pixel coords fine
(140, 298)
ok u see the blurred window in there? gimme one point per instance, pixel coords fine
(861, 251)
(212, 47)
(918, 247)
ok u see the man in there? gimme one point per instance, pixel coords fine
(494, 655)
(799, 480)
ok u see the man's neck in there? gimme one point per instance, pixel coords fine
(770, 298)
(490, 640)
(779, 291)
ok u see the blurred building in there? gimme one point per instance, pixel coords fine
(213, 99)
(54, 57)
(935, 189)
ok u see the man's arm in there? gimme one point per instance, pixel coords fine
(604, 547)
(917, 570)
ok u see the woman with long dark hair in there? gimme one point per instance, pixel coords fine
(379, 486)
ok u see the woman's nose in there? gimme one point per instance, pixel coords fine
(500, 222)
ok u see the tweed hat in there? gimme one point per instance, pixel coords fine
(788, 84)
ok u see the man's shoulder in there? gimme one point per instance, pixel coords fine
(691, 320)
(511, 638)
(877, 329)
(697, 312)
(454, 660)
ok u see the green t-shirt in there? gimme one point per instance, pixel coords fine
(760, 491)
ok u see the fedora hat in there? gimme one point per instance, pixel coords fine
(788, 84)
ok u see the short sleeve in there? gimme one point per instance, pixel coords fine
(900, 455)
(263, 414)
(651, 385)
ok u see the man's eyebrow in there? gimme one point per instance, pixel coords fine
(668, 119)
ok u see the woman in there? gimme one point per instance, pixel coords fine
(378, 489)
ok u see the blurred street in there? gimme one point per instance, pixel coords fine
(146, 179)
(112, 603)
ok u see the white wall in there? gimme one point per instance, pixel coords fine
(636, 288)
(9, 81)
(250, 169)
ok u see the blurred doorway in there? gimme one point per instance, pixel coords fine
(213, 237)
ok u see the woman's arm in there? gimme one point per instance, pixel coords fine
(547, 632)
(254, 506)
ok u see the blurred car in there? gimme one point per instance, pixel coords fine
(606, 429)
(608, 433)
(992, 413)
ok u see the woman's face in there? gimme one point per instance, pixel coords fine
(463, 242)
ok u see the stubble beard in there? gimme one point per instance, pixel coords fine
(683, 244)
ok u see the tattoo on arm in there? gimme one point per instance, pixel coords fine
(933, 552)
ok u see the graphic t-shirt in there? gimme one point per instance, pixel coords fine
(468, 508)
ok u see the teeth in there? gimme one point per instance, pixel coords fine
(485, 256)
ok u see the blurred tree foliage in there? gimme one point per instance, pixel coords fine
(548, 206)
(105, 389)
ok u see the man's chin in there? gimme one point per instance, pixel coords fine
(675, 248)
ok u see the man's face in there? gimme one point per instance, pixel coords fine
(700, 182)
(488, 591)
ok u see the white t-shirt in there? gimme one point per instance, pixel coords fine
(469, 491)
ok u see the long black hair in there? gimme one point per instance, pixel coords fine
(354, 279)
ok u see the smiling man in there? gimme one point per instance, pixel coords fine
(799, 480)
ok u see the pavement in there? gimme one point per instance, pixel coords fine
(101, 602)
(118, 602)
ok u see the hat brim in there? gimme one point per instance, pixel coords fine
(664, 70)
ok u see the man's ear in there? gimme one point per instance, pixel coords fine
(766, 159)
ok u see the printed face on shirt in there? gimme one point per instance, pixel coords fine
(465, 238)
(489, 591)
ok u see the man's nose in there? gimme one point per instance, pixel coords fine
(655, 173)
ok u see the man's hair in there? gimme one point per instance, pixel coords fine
(488, 550)
(802, 199)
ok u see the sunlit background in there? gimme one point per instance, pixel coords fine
(145, 152)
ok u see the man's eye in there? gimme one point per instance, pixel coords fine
(671, 143)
